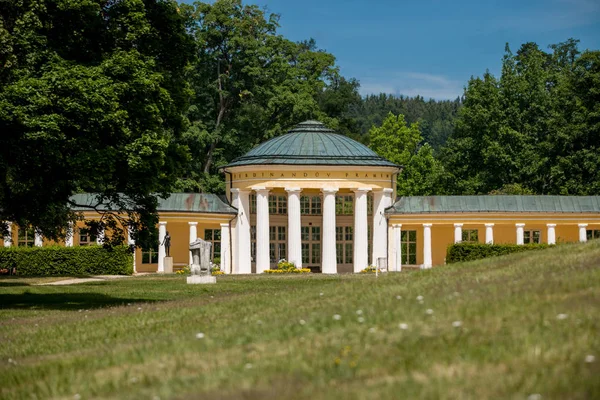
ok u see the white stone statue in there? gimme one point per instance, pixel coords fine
(200, 268)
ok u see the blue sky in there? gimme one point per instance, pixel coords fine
(431, 48)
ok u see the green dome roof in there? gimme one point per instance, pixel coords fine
(311, 143)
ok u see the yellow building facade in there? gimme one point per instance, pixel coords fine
(328, 203)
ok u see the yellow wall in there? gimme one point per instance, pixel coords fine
(311, 177)
(505, 231)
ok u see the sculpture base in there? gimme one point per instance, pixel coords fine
(168, 265)
(201, 279)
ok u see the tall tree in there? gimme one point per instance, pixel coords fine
(534, 127)
(403, 144)
(91, 94)
(250, 84)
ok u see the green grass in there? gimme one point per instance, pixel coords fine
(136, 338)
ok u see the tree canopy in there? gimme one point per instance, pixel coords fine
(91, 100)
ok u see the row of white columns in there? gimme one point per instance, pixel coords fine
(382, 200)
(193, 236)
(489, 233)
(489, 238)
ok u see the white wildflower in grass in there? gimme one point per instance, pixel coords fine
(259, 322)
(561, 316)
(359, 312)
(398, 297)
(456, 294)
(403, 326)
(361, 320)
(420, 298)
(199, 335)
(77, 396)
(248, 366)
(535, 396)
(302, 322)
(133, 379)
(372, 330)
(457, 324)
(429, 311)
(337, 317)
(321, 294)
(590, 358)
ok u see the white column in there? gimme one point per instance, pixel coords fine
(242, 254)
(458, 233)
(100, 236)
(69, 235)
(361, 239)
(582, 232)
(162, 251)
(225, 249)
(193, 237)
(397, 247)
(329, 257)
(489, 233)
(8, 236)
(551, 233)
(294, 227)
(427, 260)
(520, 239)
(381, 200)
(131, 242)
(38, 240)
(262, 230)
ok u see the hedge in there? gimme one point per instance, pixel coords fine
(57, 260)
(466, 251)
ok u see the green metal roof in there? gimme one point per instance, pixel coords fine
(311, 143)
(494, 204)
(176, 202)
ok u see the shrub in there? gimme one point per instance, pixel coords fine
(371, 269)
(58, 260)
(287, 267)
(475, 251)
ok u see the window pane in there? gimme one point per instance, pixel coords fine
(316, 233)
(348, 233)
(272, 252)
(339, 233)
(536, 236)
(413, 259)
(412, 236)
(475, 235)
(272, 231)
(316, 253)
(339, 250)
(316, 205)
(305, 252)
(403, 235)
(217, 250)
(349, 255)
(282, 252)
(145, 257)
(304, 231)
(208, 234)
(154, 257)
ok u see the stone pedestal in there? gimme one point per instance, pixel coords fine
(168, 265)
(201, 279)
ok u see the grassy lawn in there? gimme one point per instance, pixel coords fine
(510, 327)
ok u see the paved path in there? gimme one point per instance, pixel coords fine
(96, 278)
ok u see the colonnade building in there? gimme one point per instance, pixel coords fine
(328, 203)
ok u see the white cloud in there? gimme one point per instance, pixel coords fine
(412, 84)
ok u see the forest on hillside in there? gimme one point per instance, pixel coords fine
(134, 98)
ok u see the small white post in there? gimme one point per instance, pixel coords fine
(427, 260)
(551, 233)
(38, 240)
(520, 233)
(225, 250)
(193, 236)
(69, 235)
(458, 233)
(582, 233)
(8, 236)
(398, 246)
(131, 242)
(162, 251)
(100, 237)
(489, 233)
